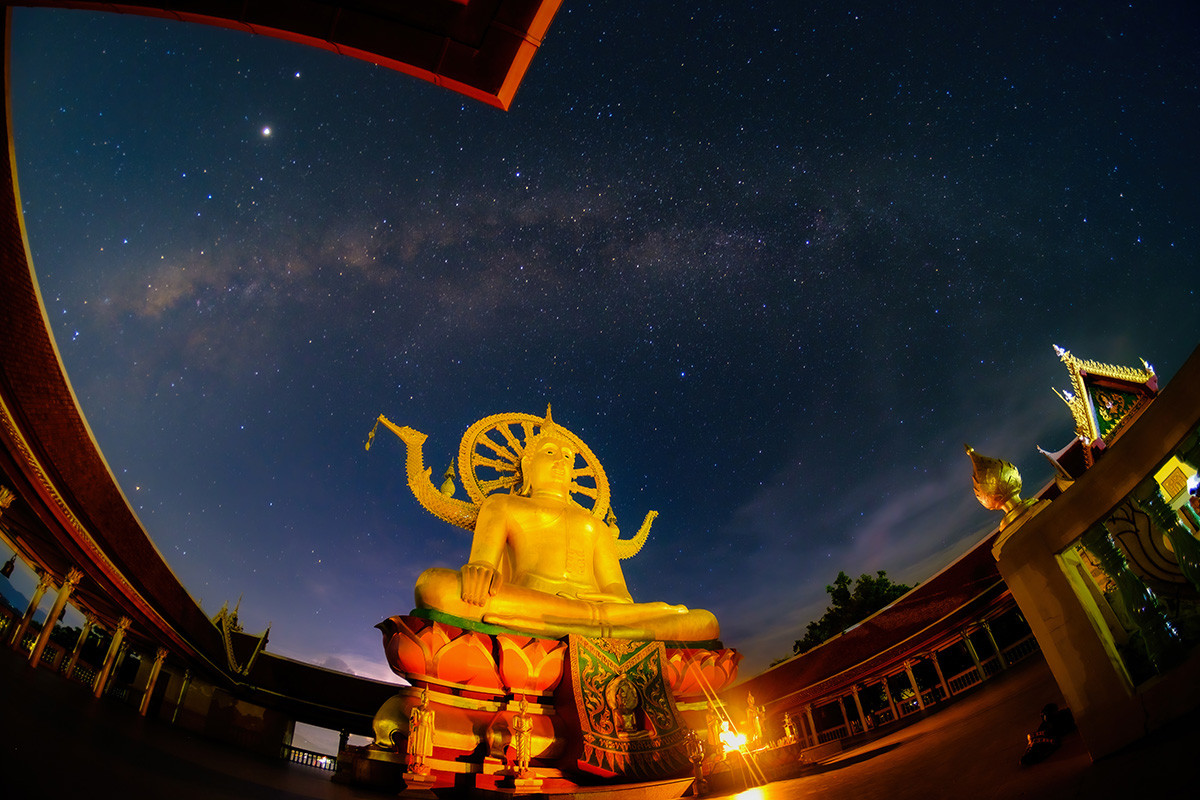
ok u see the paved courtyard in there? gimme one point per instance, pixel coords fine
(56, 740)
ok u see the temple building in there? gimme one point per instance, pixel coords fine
(1100, 572)
(146, 641)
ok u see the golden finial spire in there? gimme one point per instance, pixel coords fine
(997, 482)
(997, 486)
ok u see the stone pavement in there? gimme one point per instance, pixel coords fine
(971, 750)
(57, 741)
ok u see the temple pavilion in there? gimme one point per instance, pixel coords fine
(1098, 573)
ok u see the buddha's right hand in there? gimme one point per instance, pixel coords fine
(479, 582)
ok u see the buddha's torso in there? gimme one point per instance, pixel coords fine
(551, 544)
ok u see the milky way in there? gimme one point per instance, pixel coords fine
(773, 265)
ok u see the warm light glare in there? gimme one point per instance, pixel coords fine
(732, 741)
(754, 793)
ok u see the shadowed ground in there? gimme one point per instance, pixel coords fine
(972, 750)
(57, 741)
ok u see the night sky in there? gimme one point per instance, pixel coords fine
(774, 264)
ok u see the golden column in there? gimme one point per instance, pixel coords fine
(912, 679)
(887, 692)
(937, 665)
(88, 623)
(966, 637)
(43, 584)
(159, 657)
(862, 718)
(60, 602)
(183, 687)
(114, 648)
(992, 639)
(841, 701)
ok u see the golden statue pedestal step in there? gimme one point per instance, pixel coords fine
(578, 712)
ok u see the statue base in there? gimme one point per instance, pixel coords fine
(525, 784)
(599, 713)
(419, 784)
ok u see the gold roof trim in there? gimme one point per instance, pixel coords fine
(1076, 397)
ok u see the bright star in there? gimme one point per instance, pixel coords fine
(266, 131)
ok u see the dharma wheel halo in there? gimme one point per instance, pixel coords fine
(489, 460)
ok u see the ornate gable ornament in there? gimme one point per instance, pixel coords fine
(1104, 398)
(241, 648)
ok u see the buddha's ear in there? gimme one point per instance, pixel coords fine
(524, 488)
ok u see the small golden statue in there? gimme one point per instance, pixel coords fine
(622, 697)
(695, 751)
(540, 561)
(420, 735)
(713, 722)
(522, 740)
(789, 728)
(754, 722)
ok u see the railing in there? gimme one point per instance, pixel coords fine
(1026, 647)
(308, 758)
(963, 680)
(839, 732)
(84, 673)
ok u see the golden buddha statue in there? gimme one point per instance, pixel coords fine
(540, 562)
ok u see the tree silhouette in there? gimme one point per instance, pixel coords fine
(870, 594)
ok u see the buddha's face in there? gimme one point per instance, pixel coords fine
(550, 464)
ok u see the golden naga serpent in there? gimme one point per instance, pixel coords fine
(489, 460)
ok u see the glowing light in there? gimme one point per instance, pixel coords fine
(732, 740)
(266, 131)
(753, 793)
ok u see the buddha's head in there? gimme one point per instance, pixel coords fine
(548, 462)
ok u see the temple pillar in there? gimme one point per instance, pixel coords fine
(159, 657)
(966, 637)
(841, 701)
(999, 656)
(110, 658)
(812, 725)
(937, 666)
(73, 578)
(862, 718)
(887, 692)
(912, 679)
(34, 602)
(187, 681)
(88, 623)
